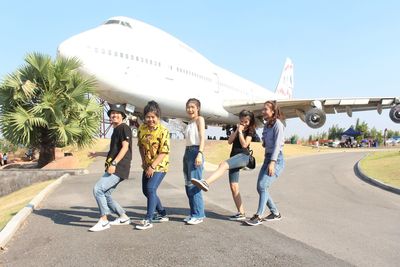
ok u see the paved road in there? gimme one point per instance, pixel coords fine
(331, 218)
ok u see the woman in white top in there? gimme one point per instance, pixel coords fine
(193, 160)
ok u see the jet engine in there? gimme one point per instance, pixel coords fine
(395, 113)
(315, 118)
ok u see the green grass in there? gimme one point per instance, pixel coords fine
(383, 166)
(14, 202)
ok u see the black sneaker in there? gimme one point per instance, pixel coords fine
(202, 184)
(144, 225)
(160, 218)
(273, 217)
(255, 220)
(237, 217)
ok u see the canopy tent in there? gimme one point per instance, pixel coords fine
(351, 132)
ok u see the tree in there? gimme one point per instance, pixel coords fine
(376, 135)
(363, 128)
(294, 138)
(46, 103)
(335, 132)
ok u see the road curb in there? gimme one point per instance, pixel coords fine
(16, 221)
(374, 181)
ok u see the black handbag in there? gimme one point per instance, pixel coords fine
(252, 161)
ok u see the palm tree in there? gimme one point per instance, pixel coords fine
(46, 103)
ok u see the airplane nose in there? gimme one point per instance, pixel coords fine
(65, 49)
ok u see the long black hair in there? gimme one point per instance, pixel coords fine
(250, 114)
(196, 102)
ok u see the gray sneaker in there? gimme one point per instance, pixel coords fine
(237, 217)
(273, 217)
(255, 220)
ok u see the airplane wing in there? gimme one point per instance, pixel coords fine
(312, 111)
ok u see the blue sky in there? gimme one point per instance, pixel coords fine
(339, 48)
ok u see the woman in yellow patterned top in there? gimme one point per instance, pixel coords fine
(153, 142)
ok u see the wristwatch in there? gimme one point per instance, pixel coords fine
(114, 163)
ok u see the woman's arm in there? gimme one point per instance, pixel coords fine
(233, 135)
(201, 127)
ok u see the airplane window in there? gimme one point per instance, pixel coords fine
(151, 62)
(103, 51)
(147, 61)
(126, 56)
(109, 52)
(121, 54)
(112, 21)
(96, 50)
(137, 58)
(132, 57)
(116, 54)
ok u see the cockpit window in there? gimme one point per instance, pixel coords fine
(120, 22)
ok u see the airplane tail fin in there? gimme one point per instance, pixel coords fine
(286, 83)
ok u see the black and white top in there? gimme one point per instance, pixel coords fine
(121, 133)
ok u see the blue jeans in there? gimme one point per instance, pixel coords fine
(236, 163)
(102, 192)
(149, 188)
(190, 170)
(265, 181)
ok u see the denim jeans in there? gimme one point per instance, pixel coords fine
(149, 188)
(102, 192)
(190, 170)
(236, 163)
(265, 181)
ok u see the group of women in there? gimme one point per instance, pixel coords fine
(153, 142)
(154, 147)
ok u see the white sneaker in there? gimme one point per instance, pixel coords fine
(194, 221)
(100, 226)
(146, 224)
(121, 221)
(187, 219)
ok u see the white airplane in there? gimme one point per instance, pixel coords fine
(134, 63)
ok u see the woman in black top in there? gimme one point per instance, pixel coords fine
(239, 158)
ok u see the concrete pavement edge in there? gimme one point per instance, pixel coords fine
(16, 221)
(374, 181)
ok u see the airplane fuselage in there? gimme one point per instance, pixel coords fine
(138, 63)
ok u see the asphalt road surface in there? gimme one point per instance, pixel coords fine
(330, 218)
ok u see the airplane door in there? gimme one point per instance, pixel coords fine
(216, 83)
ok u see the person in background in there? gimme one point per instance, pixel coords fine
(154, 147)
(118, 164)
(239, 158)
(5, 158)
(193, 160)
(273, 141)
